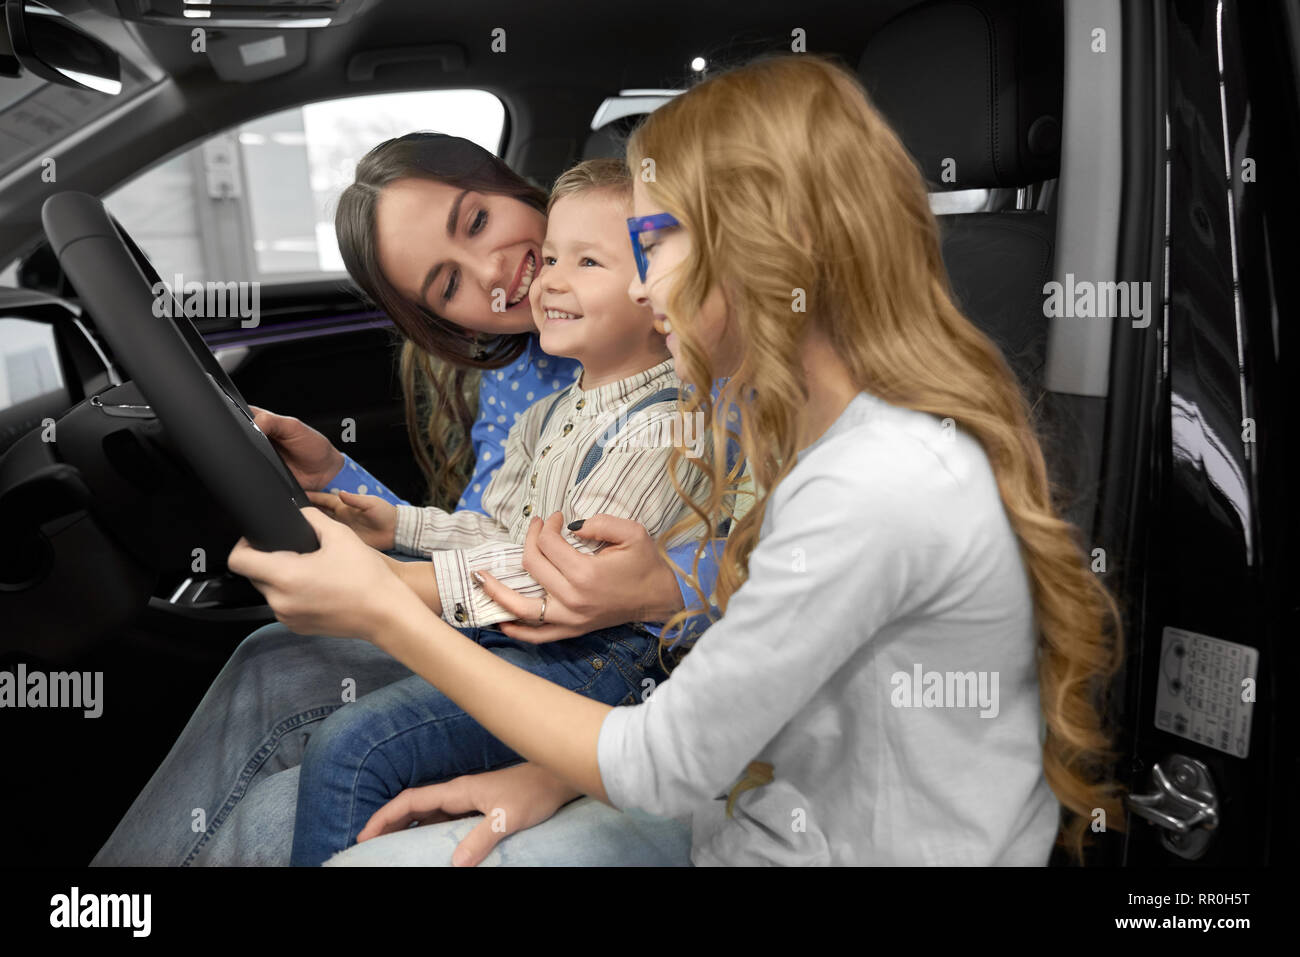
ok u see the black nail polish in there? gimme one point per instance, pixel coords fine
(574, 526)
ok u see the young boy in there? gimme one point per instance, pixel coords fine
(601, 446)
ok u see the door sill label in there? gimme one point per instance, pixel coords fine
(1199, 696)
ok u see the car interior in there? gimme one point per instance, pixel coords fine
(1022, 147)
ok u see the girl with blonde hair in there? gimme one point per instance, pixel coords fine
(912, 657)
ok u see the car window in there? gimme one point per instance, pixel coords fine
(29, 361)
(256, 203)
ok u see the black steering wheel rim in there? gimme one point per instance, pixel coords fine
(206, 420)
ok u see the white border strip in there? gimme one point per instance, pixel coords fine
(1089, 192)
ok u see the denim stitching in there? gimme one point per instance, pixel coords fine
(259, 758)
(353, 830)
(640, 667)
(352, 809)
(631, 674)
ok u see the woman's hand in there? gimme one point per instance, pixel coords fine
(344, 588)
(510, 800)
(625, 581)
(371, 517)
(311, 457)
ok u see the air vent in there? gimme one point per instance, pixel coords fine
(267, 14)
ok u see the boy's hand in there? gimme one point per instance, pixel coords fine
(373, 519)
(419, 577)
(626, 580)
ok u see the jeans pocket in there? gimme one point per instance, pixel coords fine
(636, 655)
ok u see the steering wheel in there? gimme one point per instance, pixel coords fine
(206, 419)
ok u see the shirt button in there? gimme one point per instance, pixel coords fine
(460, 612)
(532, 482)
(545, 450)
(580, 403)
(568, 427)
(528, 510)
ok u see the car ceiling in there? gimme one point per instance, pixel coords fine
(560, 61)
(610, 44)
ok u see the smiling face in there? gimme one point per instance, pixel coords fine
(450, 250)
(666, 249)
(580, 301)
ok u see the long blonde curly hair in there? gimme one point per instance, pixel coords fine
(787, 178)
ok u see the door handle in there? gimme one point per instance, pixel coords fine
(1183, 804)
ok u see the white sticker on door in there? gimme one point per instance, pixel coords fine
(1202, 684)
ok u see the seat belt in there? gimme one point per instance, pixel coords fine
(598, 449)
(554, 405)
(594, 454)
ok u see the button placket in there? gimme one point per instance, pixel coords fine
(532, 483)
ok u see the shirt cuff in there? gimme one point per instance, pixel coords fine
(353, 478)
(455, 589)
(406, 534)
(683, 556)
(689, 630)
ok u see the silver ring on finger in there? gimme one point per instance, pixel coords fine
(541, 615)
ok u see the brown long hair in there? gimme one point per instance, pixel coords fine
(440, 361)
(788, 178)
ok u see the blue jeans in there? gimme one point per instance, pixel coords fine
(226, 794)
(409, 733)
(252, 725)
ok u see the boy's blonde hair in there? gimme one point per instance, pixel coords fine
(606, 175)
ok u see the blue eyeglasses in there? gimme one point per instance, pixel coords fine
(644, 224)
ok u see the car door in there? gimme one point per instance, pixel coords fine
(1208, 746)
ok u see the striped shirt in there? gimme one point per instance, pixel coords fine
(556, 459)
(504, 395)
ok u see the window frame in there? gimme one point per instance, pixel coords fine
(207, 232)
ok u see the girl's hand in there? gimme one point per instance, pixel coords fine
(511, 799)
(371, 517)
(311, 457)
(418, 576)
(625, 581)
(344, 588)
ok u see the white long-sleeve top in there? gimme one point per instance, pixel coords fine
(540, 476)
(884, 555)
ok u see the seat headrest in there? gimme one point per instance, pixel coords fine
(611, 139)
(605, 142)
(977, 82)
